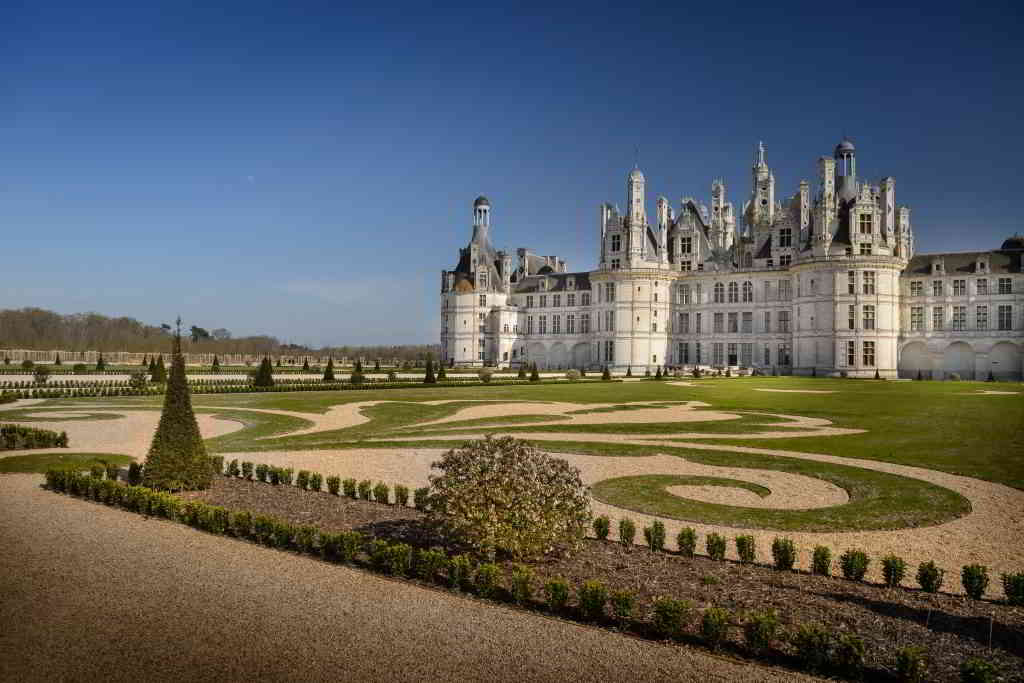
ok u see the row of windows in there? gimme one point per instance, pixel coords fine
(556, 300)
(1004, 285)
(731, 322)
(867, 353)
(958, 319)
(730, 353)
(556, 324)
(867, 282)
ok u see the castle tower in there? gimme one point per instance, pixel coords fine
(763, 199)
(846, 170)
(637, 215)
(481, 218)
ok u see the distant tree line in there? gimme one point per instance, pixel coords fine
(39, 329)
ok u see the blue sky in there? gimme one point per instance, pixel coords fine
(306, 169)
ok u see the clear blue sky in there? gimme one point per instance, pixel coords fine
(306, 169)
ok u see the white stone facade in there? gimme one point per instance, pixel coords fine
(818, 284)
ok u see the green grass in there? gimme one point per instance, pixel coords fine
(40, 462)
(29, 415)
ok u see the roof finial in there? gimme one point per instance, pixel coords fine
(636, 156)
(760, 153)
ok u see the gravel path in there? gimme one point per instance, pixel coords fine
(95, 593)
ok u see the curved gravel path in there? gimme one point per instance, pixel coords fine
(96, 593)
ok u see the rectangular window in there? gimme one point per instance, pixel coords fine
(717, 353)
(916, 288)
(869, 353)
(585, 299)
(785, 260)
(959, 318)
(542, 325)
(654, 327)
(1005, 285)
(556, 299)
(616, 264)
(869, 282)
(936, 287)
(686, 245)
(770, 263)
(748, 322)
(869, 317)
(851, 353)
(785, 290)
(529, 302)
(483, 299)
(732, 354)
(851, 317)
(1005, 314)
(543, 300)
(529, 324)
(609, 351)
(570, 324)
(865, 249)
(570, 299)
(684, 294)
(783, 321)
(696, 324)
(697, 296)
(786, 237)
(686, 266)
(851, 282)
(916, 318)
(938, 317)
(865, 224)
(556, 324)
(981, 317)
(684, 323)
(684, 353)
(959, 287)
(733, 323)
(616, 242)
(609, 321)
(784, 357)
(697, 358)
(746, 354)
(718, 323)
(609, 292)
(982, 286)
(767, 355)
(767, 321)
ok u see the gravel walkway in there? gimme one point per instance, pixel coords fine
(95, 593)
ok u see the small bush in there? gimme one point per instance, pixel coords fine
(709, 580)
(654, 536)
(217, 462)
(848, 655)
(334, 485)
(330, 546)
(715, 546)
(421, 498)
(601, 527)
(854, 564)
(974, 578)
(714, 626)
(821, 561)
(401, 495)
(627, 531)
(233, 470)
(520, 580)
(399, 559)
(687, 542)
(930, 577)
(284, 533)
(556, 595)
(760, 630)
(377, 549)
(275, 475)
(783, 553)
(381, 493)
(593, 595)
(893, 570)
(349, 487)
(486, 579)
(97, 471)
(305, 538)
(813, 646)
(112, 471)
(316, 481)
(285, 475)
(911, 665)
(622, 603)
(247, 470)
(302, 479)
(1013, 586)
(262, 472)
(745, 549)
(134, 474)
(263, 529)
(241, 524)
(350, 545)
(459, 569)
(430, 563)
(977, 670)
(668, 616)
(365, 489)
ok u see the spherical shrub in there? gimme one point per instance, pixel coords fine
(572, 375)
(505, 496)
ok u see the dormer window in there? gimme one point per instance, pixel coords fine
(865, 224)
(616, 243)
(937, 267)
(571, 283)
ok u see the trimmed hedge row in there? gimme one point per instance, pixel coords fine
(816, 648)
(17, 437)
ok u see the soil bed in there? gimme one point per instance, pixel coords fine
(949, 628)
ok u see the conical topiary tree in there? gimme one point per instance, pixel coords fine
(428, 375)
(56, 359)
(177, 458)
(264, 376)
(100, 363)
(329, 371)
(522, 371)
(534, 375)
(441, 374)
(145, 362)
(216, 364)
(305, 364)
(606, 375)
(629, 371)
(159, 372)
(657, 375)
(376, 365)
(279, 361)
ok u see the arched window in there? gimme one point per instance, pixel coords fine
(748, 292)
(719, 293)
(734, 293)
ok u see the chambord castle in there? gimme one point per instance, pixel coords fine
(825, 282)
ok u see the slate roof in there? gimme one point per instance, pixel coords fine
(531, 283)
(999, 260)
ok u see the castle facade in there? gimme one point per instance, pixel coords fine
(820, 283)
